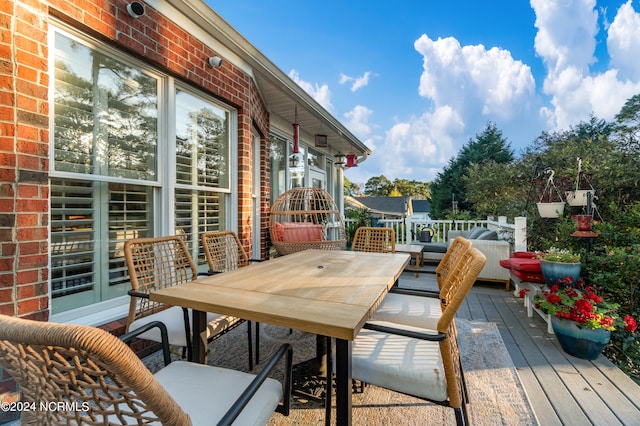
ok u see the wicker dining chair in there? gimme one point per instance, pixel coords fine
(161, 262)
(417, 361)
(91, 377)
(423, 308)
(224, 252)
(374, 240)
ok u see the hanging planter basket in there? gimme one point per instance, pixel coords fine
(579, 197)
(550, 204)
(551, 210)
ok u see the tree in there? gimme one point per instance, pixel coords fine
(628, 123)
(449, 185)
(378, 186)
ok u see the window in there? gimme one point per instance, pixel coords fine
(120, 171)
(202, 168)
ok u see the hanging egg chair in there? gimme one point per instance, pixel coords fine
(306, 218)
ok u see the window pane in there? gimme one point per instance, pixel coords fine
(278, 157)
(90, 221)
(72, 238)
(296, 167)
(198, 212)
(202, 142)
(105, 114)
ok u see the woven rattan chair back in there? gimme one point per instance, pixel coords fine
(458, 247)
(223, 250)
(374, 240)
(94, 376)
(156, 263)
(306, 218)
(458, 284)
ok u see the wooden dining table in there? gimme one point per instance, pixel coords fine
(326, 292)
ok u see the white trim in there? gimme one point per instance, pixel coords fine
(96, 313)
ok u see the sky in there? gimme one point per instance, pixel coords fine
(417, 80)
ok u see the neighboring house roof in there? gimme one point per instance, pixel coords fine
(395, 206)
(421, 206)
(283, 96)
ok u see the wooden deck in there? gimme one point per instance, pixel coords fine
(562, 389)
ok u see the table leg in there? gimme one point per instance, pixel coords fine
(199, 324)
(417, 265)
(343, 382)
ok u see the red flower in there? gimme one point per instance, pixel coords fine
(523, 292)
(629, 323)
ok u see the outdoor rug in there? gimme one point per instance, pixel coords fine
(496, 396)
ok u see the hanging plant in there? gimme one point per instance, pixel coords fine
(579, 197)
(550, 202)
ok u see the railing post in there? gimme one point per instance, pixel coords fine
(520, 234)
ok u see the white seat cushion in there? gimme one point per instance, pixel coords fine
(206, 393)
(173, 319)
(416, 311)
(399, 363)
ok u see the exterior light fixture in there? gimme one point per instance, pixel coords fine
(135, 9)
(351, 160)
(339, 159)
(215, 61)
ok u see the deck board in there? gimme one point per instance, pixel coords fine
(561, 389)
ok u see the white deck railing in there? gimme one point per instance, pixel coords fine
(408, 230)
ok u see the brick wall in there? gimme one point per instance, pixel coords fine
(24, 128)
(24, 131)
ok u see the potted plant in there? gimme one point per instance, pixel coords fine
(556, 264)
(581, 319)
(550, 202)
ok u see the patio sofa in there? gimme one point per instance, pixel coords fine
(484, 240)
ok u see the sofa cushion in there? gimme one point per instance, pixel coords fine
(488, 235)
(278, 231)
(475, 232)
(302, 232)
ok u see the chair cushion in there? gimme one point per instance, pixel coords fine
(399, 363)
(416, 311)
(434, 247)
(505, 263)
(476, 232)
(524, 254)
(526, 265)
(206, 393)
(302, 232)
(174, 321)
(529, 277)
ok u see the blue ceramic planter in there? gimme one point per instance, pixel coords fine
(582, 343)
(553, 272)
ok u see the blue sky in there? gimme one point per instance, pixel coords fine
(415, 80)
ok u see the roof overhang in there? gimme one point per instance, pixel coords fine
(282, 96)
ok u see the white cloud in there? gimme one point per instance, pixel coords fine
(566, 41)
(419, 147)
(358, 82)
(473, 80)
(320, 93)
(566, 33)
(358, 121)
(344, 79)
(623, 42)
